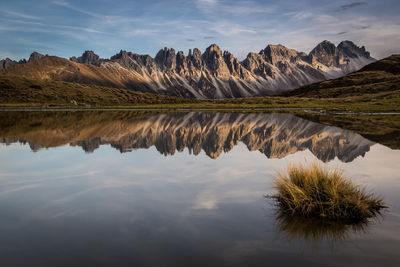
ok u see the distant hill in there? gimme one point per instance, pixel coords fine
(51, 68)
(380, 77)
(213, 74)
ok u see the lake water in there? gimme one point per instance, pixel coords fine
(183, 189)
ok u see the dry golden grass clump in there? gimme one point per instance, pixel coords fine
(315, 192)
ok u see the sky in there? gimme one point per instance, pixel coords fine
(68, 27)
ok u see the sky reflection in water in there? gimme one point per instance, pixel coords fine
(61, 207)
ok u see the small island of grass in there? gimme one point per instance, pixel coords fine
(315, 192)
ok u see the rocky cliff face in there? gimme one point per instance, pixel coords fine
(218, 74)
(5, 63)
(275, 135)
(88, 57)
(35, 56)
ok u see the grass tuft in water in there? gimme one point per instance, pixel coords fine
(315, 192)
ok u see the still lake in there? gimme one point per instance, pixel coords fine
(180, 189)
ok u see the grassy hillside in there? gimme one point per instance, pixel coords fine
(21, 90)
(380, 79)
(61, 69)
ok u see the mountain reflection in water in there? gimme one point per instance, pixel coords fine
(275, 135)
(316, 231)
(63, 207)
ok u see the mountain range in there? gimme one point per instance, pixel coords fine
(212, 74)
(274, 135)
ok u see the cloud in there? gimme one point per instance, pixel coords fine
(77, 9)
(20, 15)
(246, 10)
(207, 2)
(105, 19)
(239, 26)
(228, 28)
(351, 5)
(45, 25)
(236, 8)
(144, 32)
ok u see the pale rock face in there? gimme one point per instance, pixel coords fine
(214, 62)
(256, 64)
(166, 59)
(325, 53)
(217, 74)
(278, 53)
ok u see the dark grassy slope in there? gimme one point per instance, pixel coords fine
(380, 79)
(21, 90)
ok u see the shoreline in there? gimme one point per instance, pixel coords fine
(316, 110)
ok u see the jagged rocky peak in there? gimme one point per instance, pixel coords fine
(181, 63)
(124, 59)
(252, 61)
(349, 49)
(325, 53)
(166, 59)
(234, 66)
(256, 64)
(278, 53)
(122, 54)
(214, 48)
(5, 63)
(215, 63)
(134, 61)
(195, 58)
(35, 56)
(88, 57)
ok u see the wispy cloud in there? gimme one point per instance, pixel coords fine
(77, 9)
(228, 28)
(206, 3)
(247, 9)
(239, 26)
(105, 18)
(20, 15)
(351, 5)
(234, 8)
(45, 25)
(144, 32)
